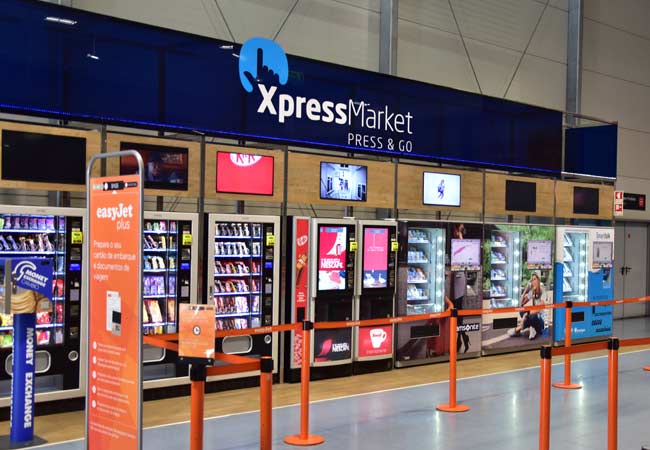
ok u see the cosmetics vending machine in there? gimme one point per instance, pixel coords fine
(375, 299)
(242, 277)
(583, 273)
(56, 234)
(170, 275)
(334, 248)
(421, 290)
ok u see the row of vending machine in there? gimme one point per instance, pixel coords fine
(337, 269)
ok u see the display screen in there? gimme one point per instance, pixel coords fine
(441, 189)
(332, 251)
(603, 252)
(343, 182)
(243, 173)
(540, 252)
(375, 341)
(375, 258)
(332, 345)
(466, 252)
(585, 200)
(521, 196)
(164, 167)
(43, 158)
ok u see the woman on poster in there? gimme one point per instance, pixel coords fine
(534, 322)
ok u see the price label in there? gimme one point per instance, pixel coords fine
(187, 239)
(394, 246)
(77, 237)
(270, 240)
(354, 245)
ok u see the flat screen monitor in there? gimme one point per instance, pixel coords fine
(44, 158)
(375, 258)
(343, 182)
(165, 167)
(441, 189)
(244, 173)
(540, 252)
(585, 200)
(603, 252)
(332, 258)
(465, 252)
(521, 196)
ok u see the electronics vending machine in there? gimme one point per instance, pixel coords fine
(170, 277)
(375, 299)
(583, 273)
(242, 277)
(58, 235)
(334, 252)
(421, 290)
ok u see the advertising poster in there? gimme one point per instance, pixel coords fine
(375, 258)
(332, 253)
(242, 173)
(196, 331)
(441, 189)
(114, 383)
(343, 181)
(375, 341)
(332, 345)
(301, 287)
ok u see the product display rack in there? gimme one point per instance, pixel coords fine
(425, 282)
(505, 268)
(574, 274)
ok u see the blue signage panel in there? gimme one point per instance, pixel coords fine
(591, 150)
(70, 63)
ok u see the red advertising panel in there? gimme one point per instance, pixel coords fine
(114, 330)
(375, 341)
(301, 279)
(242, 173)
(375, 258)
(332, 250)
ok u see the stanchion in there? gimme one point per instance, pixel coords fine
(647, 368)
(266, 402)
(197, 401)
(304, 438)
(566, 384)
(545, 399)
(453, 335)
(612, 393)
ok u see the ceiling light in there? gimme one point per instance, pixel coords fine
(61, 20)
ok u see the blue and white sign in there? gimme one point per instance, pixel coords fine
(33, 274)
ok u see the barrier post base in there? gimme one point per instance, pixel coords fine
(563, 385)
(310, 439)
(453, 409)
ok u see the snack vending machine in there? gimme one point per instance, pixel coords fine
(55, 234)
(518, 273)
(334, 248)
(243, 281)
(375, 297)
(170, 277)
(583, 273)
(421, 290)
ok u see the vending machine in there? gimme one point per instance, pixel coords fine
(375, 299)
(334, 248)
(242, 277)
(518, 273)
(56, 234)
(421, 290)
(170, 276)
(583, 273)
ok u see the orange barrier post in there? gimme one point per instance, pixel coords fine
(612, 393)
(266, 402)
(545, 399)
(197, 402)
(566, 384)
(304, 438)
(453, 335)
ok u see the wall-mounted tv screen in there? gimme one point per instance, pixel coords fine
(521, 196)
(540, 252)
(441, 189)
(466, 252)
(44, 158)
(165, 167)
(585, 200)
(343, 182)
(375, 257)
(603, 252)
(332, 251)
(243, 173)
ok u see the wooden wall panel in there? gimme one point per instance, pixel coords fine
(495, 195)
(304, 181)
(93, 146)
(211, 173)
(564, 198)
(113, 141)
(410, 180)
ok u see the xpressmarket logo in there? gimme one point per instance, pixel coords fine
(264, 67)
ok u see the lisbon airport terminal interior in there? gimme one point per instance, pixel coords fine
(347, 224)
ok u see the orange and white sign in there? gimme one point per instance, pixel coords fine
(619, 197)
(196, 331)
(113, 415)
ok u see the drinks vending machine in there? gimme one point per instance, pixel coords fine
(375, 294)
